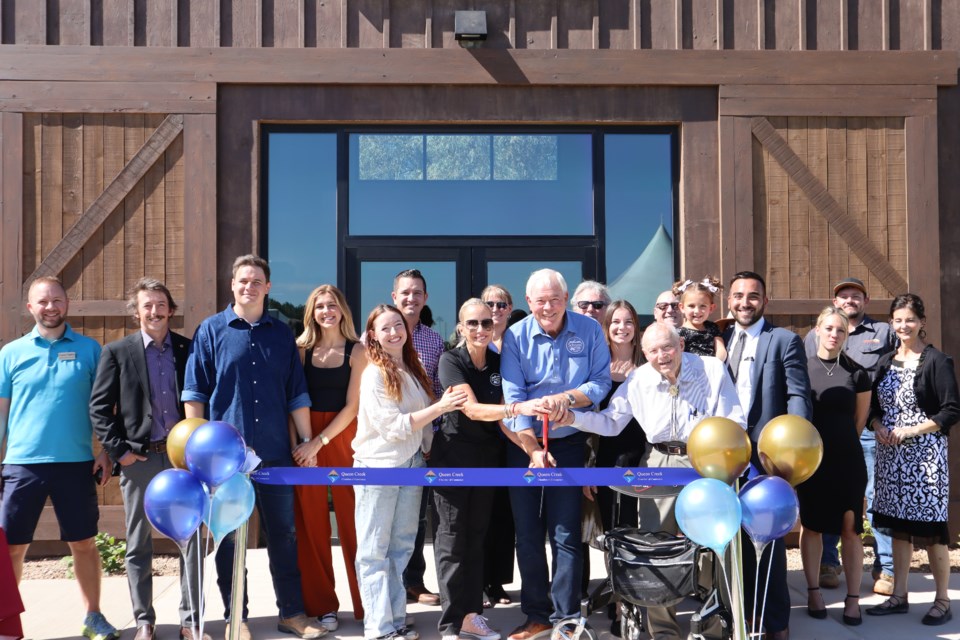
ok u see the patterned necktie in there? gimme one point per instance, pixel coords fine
(735, 354)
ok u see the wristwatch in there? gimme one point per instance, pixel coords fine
(572, 399)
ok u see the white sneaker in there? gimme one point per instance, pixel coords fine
(329, 621)
(451, 636)
(475, 627)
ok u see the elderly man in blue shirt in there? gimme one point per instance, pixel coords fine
(552, 361)
(245, 369)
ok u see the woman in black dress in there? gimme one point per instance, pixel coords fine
(831, 501)
(915, 402)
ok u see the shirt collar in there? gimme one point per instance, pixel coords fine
(147, 340)
(753, 330)
(232, 317)
(537, 329)
(689, 370)
(68, 334)
(867, 324)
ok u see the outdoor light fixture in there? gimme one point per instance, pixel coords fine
(470, 27)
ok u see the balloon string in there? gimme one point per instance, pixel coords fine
(756, 581)
(726, 578)
(766, 583)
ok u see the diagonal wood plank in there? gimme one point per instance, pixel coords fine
(825, 204)
(106, 202)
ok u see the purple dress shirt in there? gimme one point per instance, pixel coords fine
(162, 373)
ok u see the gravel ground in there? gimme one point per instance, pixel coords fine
(168, 565)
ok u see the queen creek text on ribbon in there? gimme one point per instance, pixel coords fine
(477, 477)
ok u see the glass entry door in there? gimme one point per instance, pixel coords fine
(454, 274)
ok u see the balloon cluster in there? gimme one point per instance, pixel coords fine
(710, 512)
(204, 486)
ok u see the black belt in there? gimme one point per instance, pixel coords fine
(158, 446)
(671, 448)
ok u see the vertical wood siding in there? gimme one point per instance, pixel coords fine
(909, 25)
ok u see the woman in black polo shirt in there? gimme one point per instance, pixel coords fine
(467, 438)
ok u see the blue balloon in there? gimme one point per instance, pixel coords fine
(215, 451)
(175, 502)
(230, 506)
(708, 512)
(770, 508)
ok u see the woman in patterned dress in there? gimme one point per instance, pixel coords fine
(915, 402)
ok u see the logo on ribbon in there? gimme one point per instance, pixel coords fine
(333, 476)
(430, 476)
(529, 476)
(629, 476)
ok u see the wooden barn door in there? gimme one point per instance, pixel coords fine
(817, 189)
(101, 200)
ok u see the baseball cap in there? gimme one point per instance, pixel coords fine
(850, 282)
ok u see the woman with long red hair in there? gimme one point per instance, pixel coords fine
(393, 430)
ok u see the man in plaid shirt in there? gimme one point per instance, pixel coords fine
(410, 295)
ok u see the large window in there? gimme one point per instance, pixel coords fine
(353, 205)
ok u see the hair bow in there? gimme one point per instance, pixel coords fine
(686, 283)
(709, 285)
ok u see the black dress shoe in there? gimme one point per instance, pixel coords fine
(852, 621)
(145, 632)
(818, 614)
(942, 607)
(893, 604)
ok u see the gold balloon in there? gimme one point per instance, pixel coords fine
(177, 440)
(790, 447)
(719, 448)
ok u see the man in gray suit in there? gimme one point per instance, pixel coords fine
(769, 367)
(134, 404)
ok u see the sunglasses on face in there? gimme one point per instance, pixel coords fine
(486, 323)
(497, 305)
(596, 304)
(663, 306)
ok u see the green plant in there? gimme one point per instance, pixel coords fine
(112, 553)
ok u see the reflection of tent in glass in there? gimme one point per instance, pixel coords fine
(649, 275)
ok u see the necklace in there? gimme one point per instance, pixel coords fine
(829, 370)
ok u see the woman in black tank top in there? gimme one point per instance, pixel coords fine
(332, 366)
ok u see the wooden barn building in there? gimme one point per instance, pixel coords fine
(629, 141)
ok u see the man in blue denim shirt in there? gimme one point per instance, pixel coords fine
(552, 361)
(245, 370)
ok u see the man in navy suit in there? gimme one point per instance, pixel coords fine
(769, 367)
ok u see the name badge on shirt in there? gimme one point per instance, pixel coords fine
(67, 355)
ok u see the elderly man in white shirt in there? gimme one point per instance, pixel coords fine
(668, 396)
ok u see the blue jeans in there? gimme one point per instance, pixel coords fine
(386, 521)
(553, 512)
(275, 505)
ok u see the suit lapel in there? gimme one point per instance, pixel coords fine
(763, 344)
(139, 359)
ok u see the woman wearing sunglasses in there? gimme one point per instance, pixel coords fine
(469, 437)
(500, 302)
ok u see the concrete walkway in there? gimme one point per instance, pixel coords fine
(54, 611)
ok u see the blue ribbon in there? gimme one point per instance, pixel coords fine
(477, 477)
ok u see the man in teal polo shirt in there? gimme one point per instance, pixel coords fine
(45, 381)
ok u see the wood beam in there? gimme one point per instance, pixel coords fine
(108, 97)
(476, 66)
(106, 202)
(828, 100)
(80, 308)
(200, 209)
(876, 308)
(825, 204)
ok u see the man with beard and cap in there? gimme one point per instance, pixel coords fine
(666, 310)
(867, 341)
(45, 381)
(134, 404)
(668, 396)
(769, 367)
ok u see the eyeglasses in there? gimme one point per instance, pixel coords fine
(497, 305)
(663, 306)
(486, 323)
(596, 304)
